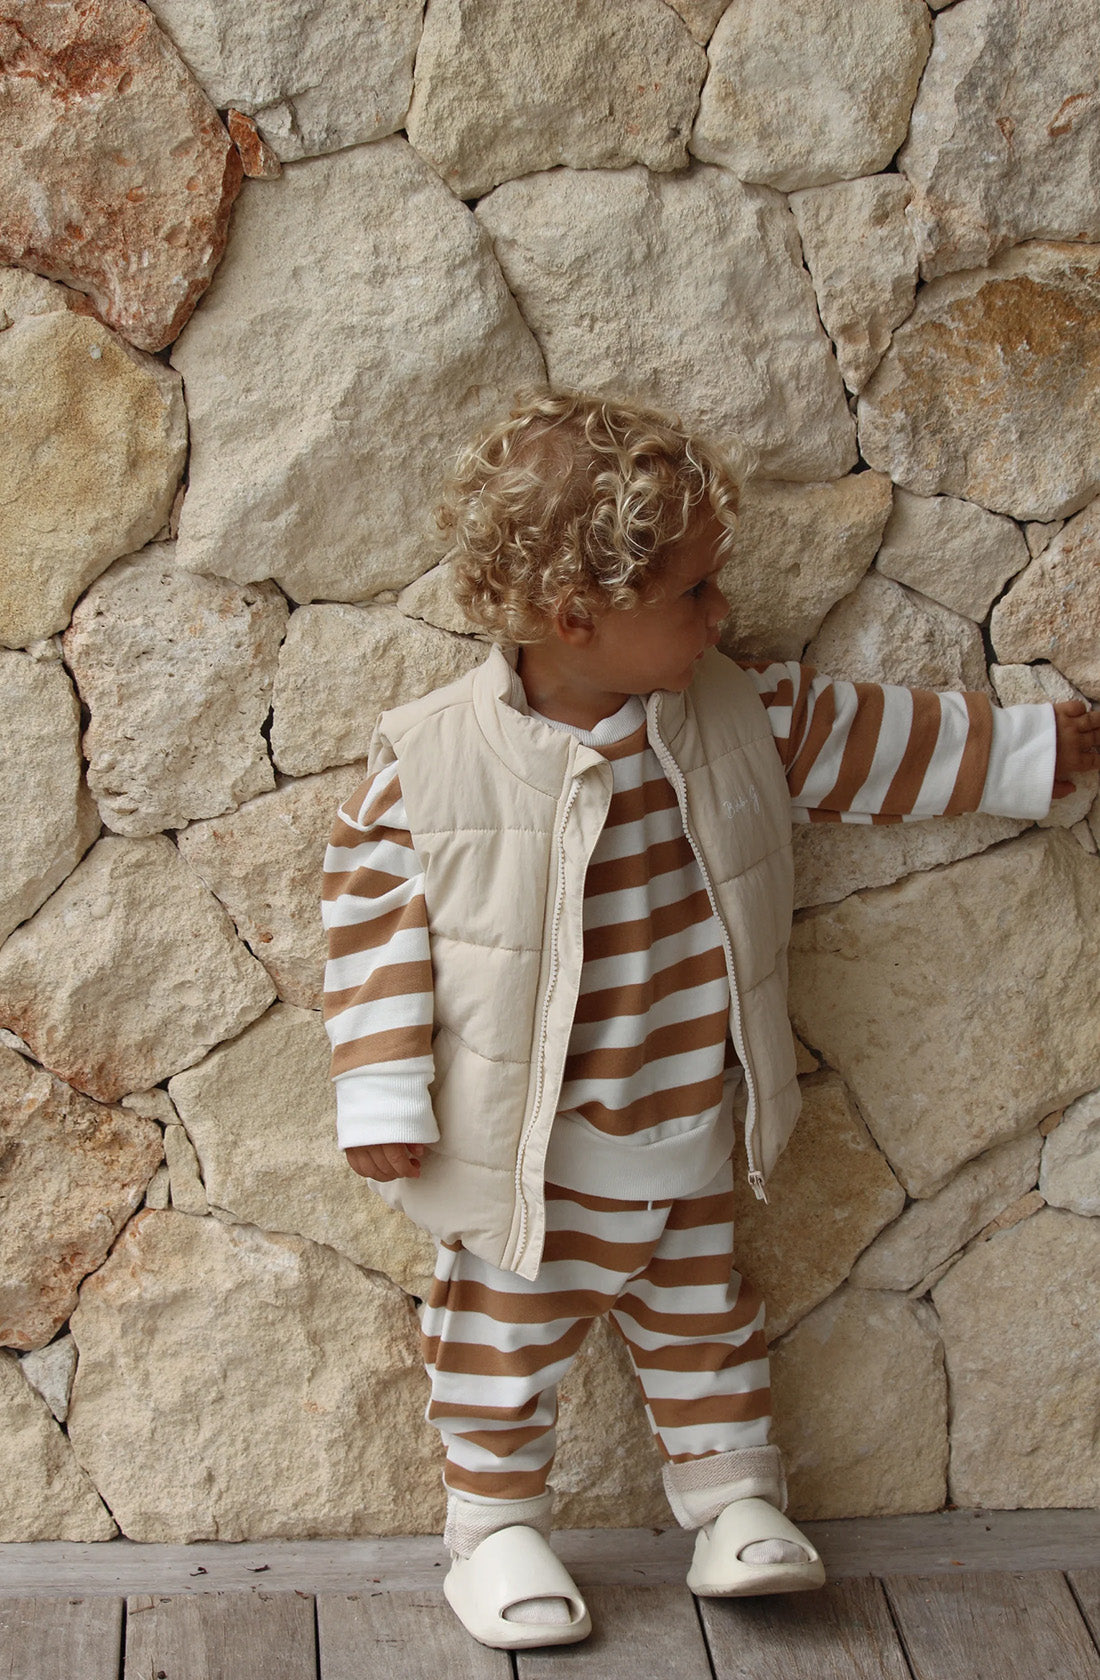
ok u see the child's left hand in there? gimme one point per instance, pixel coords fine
(1078, 743)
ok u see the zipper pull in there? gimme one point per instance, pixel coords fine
(756, 1179)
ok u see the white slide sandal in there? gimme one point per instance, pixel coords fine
(719, 1571)
(508, 1568)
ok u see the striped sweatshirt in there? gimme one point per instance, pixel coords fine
(645, 1104)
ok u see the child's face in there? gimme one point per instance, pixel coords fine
(658, 644)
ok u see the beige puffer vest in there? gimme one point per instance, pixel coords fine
(504, 812)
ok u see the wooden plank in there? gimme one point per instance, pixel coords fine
(416, 1635)
(943, 1542)
(123, 1568)
(637, 1632)
(940, 1542)
(992, 1627)
(842, 1632)
(221, 1636)
(1086, 1590)
(60, 1638)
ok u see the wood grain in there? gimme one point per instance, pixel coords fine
(992, 1627)
(638, 1633)
(842, 1632)
(221, 1636)
(1086, 1587)
(60, 1638)
(415, 1635)
(940, 1542)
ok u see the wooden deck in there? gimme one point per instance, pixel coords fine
(960, 1596)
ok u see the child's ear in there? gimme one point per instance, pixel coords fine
(573, 623)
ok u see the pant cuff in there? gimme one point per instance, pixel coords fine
(701, 1487)
(469, 1524)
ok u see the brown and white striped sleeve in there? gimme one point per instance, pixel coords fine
(378, 1002)
(874, 753)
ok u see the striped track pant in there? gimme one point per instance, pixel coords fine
(496, 1346)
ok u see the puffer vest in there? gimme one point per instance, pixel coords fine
(504, 813)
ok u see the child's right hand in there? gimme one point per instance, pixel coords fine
(386, 1160)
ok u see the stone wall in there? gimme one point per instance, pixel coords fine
(858, 244)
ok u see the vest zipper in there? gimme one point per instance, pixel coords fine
(672, 771)
(547, 998)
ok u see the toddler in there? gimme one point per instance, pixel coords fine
(558, 912)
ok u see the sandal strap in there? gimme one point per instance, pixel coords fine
(749, 1520)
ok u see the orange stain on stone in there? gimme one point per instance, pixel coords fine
(1057, 127)
(65, 73)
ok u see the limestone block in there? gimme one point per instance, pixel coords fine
(264, 1378)
(905, 990)
(830, 1194)
(28, 294)
(50, 1372)
(504, 87)
(798, 96)
(259, 161)
(47, 1496)
(341, 666)
(118, 177)
(177, 672)
(159, 1193)
(188, 1193)
(1020, 1318)
(832, 860)
(47, 818)
(1039, 534)
(607, 1472)
(71, 1174)
(1070, 1176)
(861, 1408)
(431, 598)
(264, 863)
(863, 262)
(882, 632)
(327, 400)
(1005, 131)
(930, 1232)
(91, 453)
(989, 390)
(1053, 610)
(1018, 685)
(316, 78)
(1084, 836)
(804, 1059)
(700, 15)
(799, 549)
(154, 1105)
(953, 551)
(262, 1116)
(1021, 1209)
(129, 972)
(687, 291)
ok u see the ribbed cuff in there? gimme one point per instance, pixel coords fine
(1020, 775)
(700, 1488)
(373, 1108)
(468, 1524)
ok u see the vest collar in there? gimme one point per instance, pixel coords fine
(538, 756)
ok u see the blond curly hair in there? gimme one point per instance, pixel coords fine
(570, 505)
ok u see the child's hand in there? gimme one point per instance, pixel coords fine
(1078, 743)
(386, 1160)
